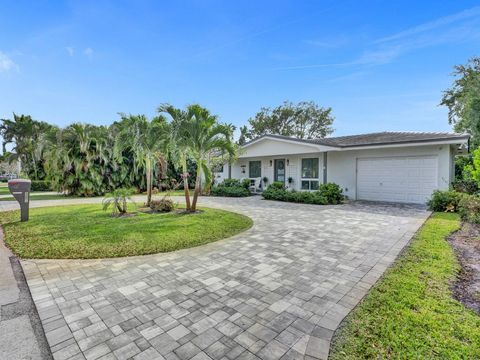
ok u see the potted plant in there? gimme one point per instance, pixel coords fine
(290, 181)
(265, 181)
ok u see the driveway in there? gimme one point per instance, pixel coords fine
(276, 291)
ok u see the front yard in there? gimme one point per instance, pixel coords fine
(88, 232)
(411, 313)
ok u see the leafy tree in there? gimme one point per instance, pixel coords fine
(305, 120)
(198, 135)
(25, 134)
(147, 141)
(463, 100)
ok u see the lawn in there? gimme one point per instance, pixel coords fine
(87, 231)
(410, 313)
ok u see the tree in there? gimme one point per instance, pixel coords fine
(25, 134)
(147, 141)
(305, 120)
(198, 134)
(463, 100)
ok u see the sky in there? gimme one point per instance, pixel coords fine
(380, 65)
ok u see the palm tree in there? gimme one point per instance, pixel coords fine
(198, 134)
(179, 149)
(147, 141)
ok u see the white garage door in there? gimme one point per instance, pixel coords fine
(409, 179)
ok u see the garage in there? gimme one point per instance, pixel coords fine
(407, 179)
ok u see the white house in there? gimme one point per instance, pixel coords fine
(386, 166)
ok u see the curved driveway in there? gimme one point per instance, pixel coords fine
(276, 291)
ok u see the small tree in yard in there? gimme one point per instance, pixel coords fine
(197, 134)
(147, 140)
(118, 201)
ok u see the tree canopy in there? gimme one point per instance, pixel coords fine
(305, 120)
(463, 100)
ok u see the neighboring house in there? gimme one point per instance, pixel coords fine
(386, 166)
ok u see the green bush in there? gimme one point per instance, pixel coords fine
(465, 186)
(277, 185)
(231, 188)
(162, 205)
(445, 200)
(469, 209)
(327, 194)
(332, 193)
(246, 183)
(41, 185)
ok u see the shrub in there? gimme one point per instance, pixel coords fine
(465, 186)
(231, 188)
(162, 205)
(118, 201)
(327, 194)
(277, 185)
(469, 209)
(331, 192)
(246, 183)
(445, 200)
(41, 185)
(231, 183)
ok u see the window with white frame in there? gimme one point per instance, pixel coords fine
(309, 176)
(254, 169)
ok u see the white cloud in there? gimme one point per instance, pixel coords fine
(432, 25)
(88, 52)
(70, 50)
(6, 63)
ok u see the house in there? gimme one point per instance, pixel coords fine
(386, 166)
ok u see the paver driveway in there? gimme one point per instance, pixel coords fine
(277, 291)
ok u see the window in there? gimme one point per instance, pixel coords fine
(310, 168)
(309, 174)
(254, 169)
(218, 168)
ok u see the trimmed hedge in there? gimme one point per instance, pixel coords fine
(41, 185)
(326, 194)
(232, 188)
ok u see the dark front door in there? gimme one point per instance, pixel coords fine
(279, 170)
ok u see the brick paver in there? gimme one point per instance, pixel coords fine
(276, 291)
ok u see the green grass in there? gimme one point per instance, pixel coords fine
(410, 313)
(89, 232)
(4, 190)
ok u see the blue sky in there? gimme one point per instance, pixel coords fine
(381, 65)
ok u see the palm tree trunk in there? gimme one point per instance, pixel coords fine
(197, 187)
(148, 166)
(185, 186)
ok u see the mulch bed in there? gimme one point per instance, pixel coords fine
(466, 243)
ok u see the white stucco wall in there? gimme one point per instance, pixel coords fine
(342, 165)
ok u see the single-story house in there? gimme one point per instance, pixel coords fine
(385, 166)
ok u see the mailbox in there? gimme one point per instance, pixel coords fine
(20, 189)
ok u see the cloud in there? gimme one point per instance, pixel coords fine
(70, 50)
(6, 63)
(451, 29)
(88, 52)
(432, 25)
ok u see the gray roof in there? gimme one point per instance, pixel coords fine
(379, 138)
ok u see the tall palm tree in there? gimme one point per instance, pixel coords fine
(199, 134)
(147, 141)
(179, 149)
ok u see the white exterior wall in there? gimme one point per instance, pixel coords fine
(293, 168)
(342, 165)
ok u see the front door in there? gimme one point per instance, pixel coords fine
(279, 170)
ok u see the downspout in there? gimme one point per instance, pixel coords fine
(325, 159)
(229, 171)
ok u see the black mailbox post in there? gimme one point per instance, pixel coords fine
(20, 189)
